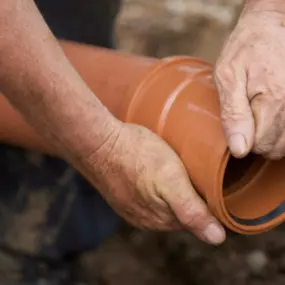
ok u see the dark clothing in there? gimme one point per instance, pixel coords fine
(85, 21)
(48, 211)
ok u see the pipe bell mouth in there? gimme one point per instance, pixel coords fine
(252, 199)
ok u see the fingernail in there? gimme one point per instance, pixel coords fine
(214, 234)
(237, 144)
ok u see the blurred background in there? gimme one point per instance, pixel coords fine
(166, 27)
(162, 28)
(193, 27)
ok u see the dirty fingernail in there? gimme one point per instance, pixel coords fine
(214, 233)
(237, 144)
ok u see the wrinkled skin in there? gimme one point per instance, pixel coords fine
(139, 175)
(251, 81)
(133, 169)
(145, 181)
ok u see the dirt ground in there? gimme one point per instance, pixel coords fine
(194, 27)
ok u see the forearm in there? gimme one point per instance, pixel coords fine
(37, 79)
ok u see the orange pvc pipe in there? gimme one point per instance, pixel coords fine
(175, 98)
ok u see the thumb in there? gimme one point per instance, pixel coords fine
(191, 211)
(236, 114)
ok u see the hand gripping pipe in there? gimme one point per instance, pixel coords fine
(175, 98)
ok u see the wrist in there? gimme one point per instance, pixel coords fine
(81, 125)
(96, 136)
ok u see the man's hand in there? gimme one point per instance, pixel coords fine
(137, 172)
(250, 77)
(146, 183)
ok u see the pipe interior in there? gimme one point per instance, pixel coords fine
(254, 195)
(237, 171)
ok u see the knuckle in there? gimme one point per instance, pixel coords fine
(163, 221)
(159, 221)
(275, 155)
(262, 147)
(267, 141)
(231, 111)
(195, 218)
(218, 72)
(232, 115)
(139, 223)
(223, 73)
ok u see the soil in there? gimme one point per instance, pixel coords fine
(194, 27)
(143, 258)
